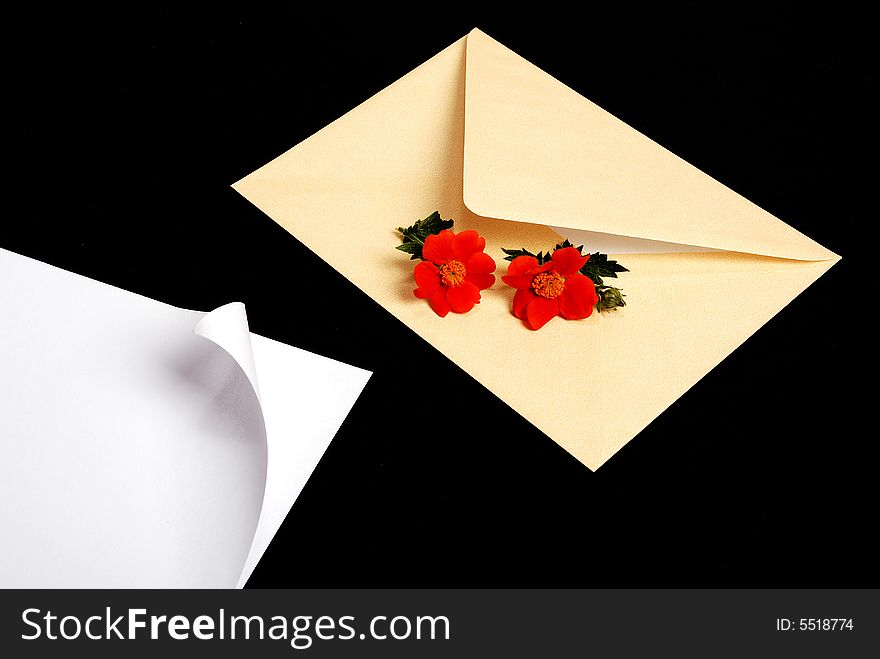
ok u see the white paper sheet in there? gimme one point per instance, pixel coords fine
(142, 445)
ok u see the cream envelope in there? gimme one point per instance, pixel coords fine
(499, 146)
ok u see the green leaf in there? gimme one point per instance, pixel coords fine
(514, 253)
(610, 298)
(600, 266)
(566, 243)
(414, 237)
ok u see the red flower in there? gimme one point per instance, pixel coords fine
(553, 289)
(454, 271)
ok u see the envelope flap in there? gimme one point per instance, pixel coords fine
(536, 151)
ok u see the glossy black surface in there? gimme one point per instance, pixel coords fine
(127, 129)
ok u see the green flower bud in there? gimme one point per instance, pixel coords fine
(609, 298)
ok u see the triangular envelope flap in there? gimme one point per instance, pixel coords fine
(536, 151)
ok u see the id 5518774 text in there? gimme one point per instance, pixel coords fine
(814, 624)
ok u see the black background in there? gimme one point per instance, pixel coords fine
(127, 130)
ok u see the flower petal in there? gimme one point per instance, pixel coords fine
(542, 268)
(438, 248)
(522, 282)
(480, 263)
(463, 298)
(480, 280)
(439, 303)
(520, 272)
(568, 260)
(578, 299)
(466, 244)
(521, 264)
(427, 278)
(540, 311)
(520, 301)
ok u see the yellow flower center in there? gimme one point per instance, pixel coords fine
(452, 273)
(548, 284)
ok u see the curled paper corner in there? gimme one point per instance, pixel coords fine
(288, 462)
(227, 326)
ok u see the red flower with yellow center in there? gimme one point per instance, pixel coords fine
(556, 288)
(454, 271)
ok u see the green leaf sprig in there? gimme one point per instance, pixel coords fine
(414, 236)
